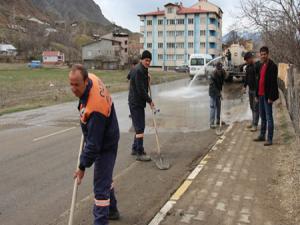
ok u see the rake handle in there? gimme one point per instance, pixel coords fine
(155, 125)
(75, 187)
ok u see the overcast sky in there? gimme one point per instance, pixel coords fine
(124, 12)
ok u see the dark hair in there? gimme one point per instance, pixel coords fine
(248, 55)
(81, 69)
(264, 49)
(135, 61)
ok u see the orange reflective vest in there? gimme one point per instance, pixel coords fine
(99, 100)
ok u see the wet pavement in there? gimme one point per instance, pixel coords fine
(39, 147)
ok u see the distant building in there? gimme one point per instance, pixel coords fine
(53, 57)
(124, 39)
(176, 32)
(7, 50)
(102, 54)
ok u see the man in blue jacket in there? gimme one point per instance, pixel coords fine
(137, 98)
(101, 136)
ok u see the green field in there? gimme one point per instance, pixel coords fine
(22, 88)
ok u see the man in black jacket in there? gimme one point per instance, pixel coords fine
(138, 97)
(251, 82)
(216, 82)
(267, 93)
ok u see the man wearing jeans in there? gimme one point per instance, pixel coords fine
(267, 93)
(216, 82)
(251, 82)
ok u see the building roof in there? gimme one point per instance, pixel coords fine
(7, 47)
(181, 10)
(103, 38)
(156, 13)
(52, 53)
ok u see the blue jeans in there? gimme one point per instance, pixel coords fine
(254, 108)
(215, 109)
(266, 115)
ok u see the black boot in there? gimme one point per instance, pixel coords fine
(114, 214)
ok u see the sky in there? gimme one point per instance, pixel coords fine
(124, 12)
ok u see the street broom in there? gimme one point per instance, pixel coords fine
(75, 187)
(160, 161)
(220, 131)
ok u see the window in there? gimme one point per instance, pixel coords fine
(126, 50)
(180, 45)
(170, 10)
(170, 57)
(191, 21)
(180, 21)
(191, 33)
(212, 33)
(160, 45)
(170, 45)
(202, 32)
(171, 22)
(197, 62)
(191, 45)
(149, 34)
(149, 45)
(149, 22)
(126, 42)
(160, 57)
(212, 45)
(160, 22)
(179, 33)
(202, 44)
(212, 20)
(160, 33)
(180, 57)
(171, 33)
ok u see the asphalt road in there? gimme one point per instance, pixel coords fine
(38, 154)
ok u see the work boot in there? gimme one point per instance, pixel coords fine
(253, 129)
(268, 143)
(212, 126)
(113, 214)
(223, 123)
(260, 139)
(143, 157)
(249, 126)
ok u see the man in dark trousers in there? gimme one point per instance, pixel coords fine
(101, 136)
(251, 82)
(138, 97)
(216, 82)
(267, 93)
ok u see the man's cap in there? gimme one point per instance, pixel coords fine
(146, 55)
(248, 55)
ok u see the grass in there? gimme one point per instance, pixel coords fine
(22, 88)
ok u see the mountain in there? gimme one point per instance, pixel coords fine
(73, 10)
(246, 35)
(52, 10)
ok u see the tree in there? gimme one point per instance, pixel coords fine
(279, 23)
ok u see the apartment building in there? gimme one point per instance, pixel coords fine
(176, 32)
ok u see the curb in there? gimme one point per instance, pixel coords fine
(159, 217)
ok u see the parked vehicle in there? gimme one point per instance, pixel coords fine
(182, 69)
(35, 64)
(197, 65)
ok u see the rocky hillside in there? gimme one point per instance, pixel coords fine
(73, 10)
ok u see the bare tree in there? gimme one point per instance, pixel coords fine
(279, 23)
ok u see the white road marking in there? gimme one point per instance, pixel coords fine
(162, 213)
(53, 134)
